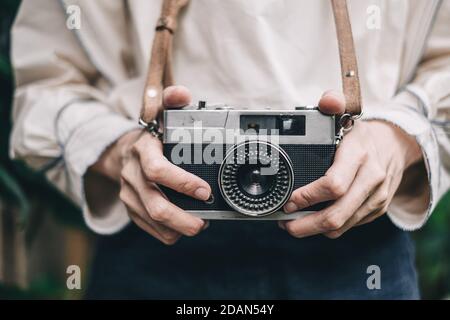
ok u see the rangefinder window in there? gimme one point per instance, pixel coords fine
(291, 125)
(286, 125)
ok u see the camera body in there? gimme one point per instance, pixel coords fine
(252, 159)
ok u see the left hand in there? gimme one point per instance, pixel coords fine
(367, 170)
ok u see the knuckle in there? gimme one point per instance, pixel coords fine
(302, 197)
(159, 211)
(123, 195)
(194, 229)
(187, 186)
(332, 222)
(379, 175)
(296, 195)
(383, 197)
(292, 230)
(372, 206)
(125, 173)
(335, 186)
(363, 155)
(155, 169)
(380, 200)
(378, 205)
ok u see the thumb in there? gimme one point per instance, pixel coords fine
(176, 97)
(332, 102)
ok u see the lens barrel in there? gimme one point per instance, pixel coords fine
(256, 178)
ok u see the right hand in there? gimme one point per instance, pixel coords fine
(144, 167)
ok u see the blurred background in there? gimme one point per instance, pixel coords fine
(41, 233)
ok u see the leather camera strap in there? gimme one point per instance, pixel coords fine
(160, 68)
(347, 55)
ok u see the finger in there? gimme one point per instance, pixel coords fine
(332, 102)
(337, 180)
(135, 206)
(366, 213)
(381, 202)
(171, 97)
(176, 97)
(352, 222)
(159, 209)
(334, 217)
(372, 206)
(158, 169)
(145, 226)
(372, 216)
(166, 213)
(150, 229)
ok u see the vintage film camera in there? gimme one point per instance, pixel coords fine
(252, 159)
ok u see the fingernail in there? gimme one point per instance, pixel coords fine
(282, 224)
(290, 207)
(206, 225)
(202, 194)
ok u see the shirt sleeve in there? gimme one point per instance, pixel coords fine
(62, 120)
(422, 110)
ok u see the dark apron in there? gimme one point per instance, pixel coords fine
(255, 260)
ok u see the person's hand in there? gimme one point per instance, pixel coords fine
(367, 170)
(137, 160)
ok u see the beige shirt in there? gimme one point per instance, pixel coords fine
(79, 90)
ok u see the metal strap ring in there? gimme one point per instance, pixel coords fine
(346, 121)
(152, 127)
(357, 116)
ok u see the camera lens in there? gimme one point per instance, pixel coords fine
(251, 181)
(256, 178)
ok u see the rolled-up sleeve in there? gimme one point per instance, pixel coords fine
(422, 110)
(61, 118)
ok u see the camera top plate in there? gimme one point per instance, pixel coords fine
(300, 125)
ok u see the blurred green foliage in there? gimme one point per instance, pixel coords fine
(433, 253)
(21, 187)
